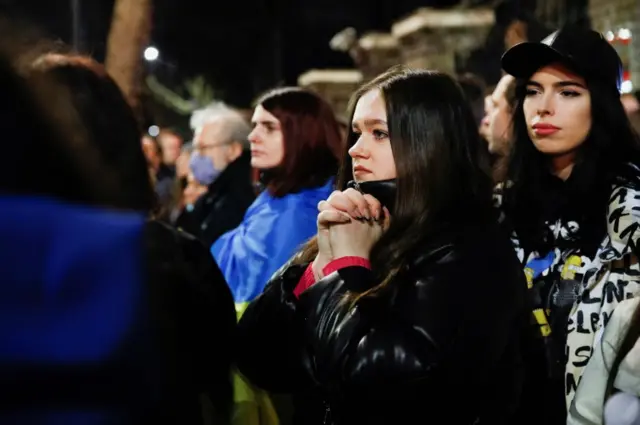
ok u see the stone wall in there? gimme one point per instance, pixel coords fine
(335, 85)
(378, 52)
(440, 39)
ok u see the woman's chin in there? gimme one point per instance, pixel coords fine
(361, 177)
(261, 164)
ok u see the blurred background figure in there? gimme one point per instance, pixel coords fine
(182, 162)
(192, 192)
(499, 136)
(189, 301)
(183, 170)
(162, 176)
(171, 146)
(474, 89)
(631, 103)
(220, 162)
(295, 143)
(483, 128)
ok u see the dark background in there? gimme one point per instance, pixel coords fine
(243, 47)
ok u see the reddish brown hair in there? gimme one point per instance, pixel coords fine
(312, 140)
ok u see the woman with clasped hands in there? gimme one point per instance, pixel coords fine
(410, 298)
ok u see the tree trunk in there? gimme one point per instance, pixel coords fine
(128, 37)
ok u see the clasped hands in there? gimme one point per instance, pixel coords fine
(349, 224)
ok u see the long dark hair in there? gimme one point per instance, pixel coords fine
(534, 197)
(443, 174)
(312, 141)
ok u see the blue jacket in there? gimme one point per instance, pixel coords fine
(272, 230)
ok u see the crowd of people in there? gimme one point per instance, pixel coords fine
(454, 255)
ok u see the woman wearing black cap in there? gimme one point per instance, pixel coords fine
(573, 198)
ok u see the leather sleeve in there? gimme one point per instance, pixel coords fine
(270, 336)
(446, 326)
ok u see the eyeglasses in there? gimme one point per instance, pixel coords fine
(203, 148)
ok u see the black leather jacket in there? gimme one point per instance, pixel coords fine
(442, 344)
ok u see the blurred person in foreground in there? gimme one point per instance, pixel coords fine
(221, 162)
(75, 339)
(191, 308)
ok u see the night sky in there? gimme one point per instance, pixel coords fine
(242, 47)
(242, 43)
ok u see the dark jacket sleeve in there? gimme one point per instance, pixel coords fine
(194, 313)
(442, 325)
(209, 304)
(270, 337)
(226, 216)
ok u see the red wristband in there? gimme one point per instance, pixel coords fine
(305, 281)
(341, 263)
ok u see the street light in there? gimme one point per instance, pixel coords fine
(626, 86)
(153, 130)
(151, 54)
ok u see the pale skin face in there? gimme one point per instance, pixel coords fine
(194, 190)
(630, 103)
(341, 228)
(500, 119)
(182, 164)
(351, 222)
(267, 140)
(151, 153)
(371, 155)
(211, 140)
(171, 145)
(484, 124)
(557, 110)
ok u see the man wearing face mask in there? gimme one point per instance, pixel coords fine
(220, 160)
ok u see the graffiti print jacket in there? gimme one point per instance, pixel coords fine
(447, 329)
(605, 280)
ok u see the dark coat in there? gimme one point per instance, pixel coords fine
(441, 343)
(222, 208)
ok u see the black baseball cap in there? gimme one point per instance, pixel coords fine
(584, 51)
